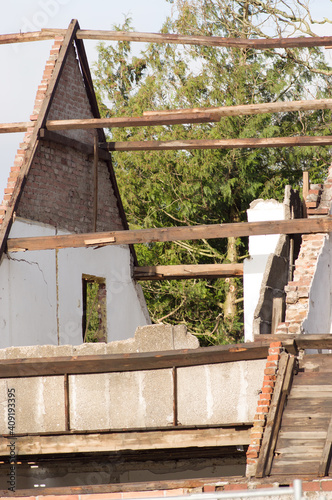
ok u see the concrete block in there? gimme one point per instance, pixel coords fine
(87, 349)
(183, 339)
(121, 400)
(39, 404)
(220, 393)
(154, 338)
(38, 351)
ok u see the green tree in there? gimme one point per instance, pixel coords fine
(211, 186)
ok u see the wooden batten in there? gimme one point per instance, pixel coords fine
(110, 363)
(181, 272)
(6, 128)
(129, 237)
(273, 142)
(121, 441)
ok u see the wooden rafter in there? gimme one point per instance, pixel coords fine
(173, 117)
(273, 142)
(182, 272)
(216, 41)
(109, 363)
(238, 229)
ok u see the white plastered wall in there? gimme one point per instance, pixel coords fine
(41, 292)
(260, 247)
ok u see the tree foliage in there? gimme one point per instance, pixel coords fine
(211, 186)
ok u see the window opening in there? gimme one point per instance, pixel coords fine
(94, 309)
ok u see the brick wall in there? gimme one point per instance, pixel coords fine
(298, 290)
(263, 406)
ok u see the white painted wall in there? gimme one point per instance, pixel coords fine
(41, 292)
(260, 247)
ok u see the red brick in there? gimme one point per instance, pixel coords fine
(142, 494)
(97, 496)
(326, 485)
(267, 390)
(262, 409)
(273, 357)
(235, 487)
(269, 371)
(208, 488)
(276, 344)
(311, 486)
(61, 497)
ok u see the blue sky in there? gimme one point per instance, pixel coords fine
(22, 64)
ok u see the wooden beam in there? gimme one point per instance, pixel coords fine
(173, 117)
(305, 192)
(6, 128)
(273, 142)
(324, 463)
(177, 233)
(122, 487)
(181, 272)
(246, 109)
(210, 41)
(132, 121)
(264, 452)
(95, 182)
(196, 115)
(109, 363)
(121, 441)
(33, 36)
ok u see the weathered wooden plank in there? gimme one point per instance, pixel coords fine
(270, 421)
(315, 378)
(106, 363)
(119, 441)
(6, 128)
(311, 391)
(302, 443)
(190, 271)
(302, 434)
(326, 454)
(309, 406)
(293, 226)
(305, 419)
(316, 362)
(120, 487)
(273, 142)
(249, 109)
(297, 451)
(33, 36)
(209, 41)
(95, 181)
(181, 116)
(290, 467)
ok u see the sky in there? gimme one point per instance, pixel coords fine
(22, 64)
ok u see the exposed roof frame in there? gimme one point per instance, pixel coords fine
(216, 41)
